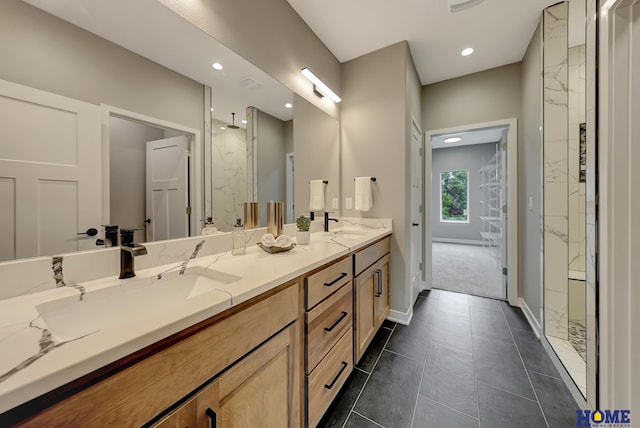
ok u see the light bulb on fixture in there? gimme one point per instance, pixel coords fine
(320, 86)
(452, 139)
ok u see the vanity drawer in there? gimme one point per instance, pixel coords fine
(324, 383)
(324, 282)
(367, 256)
(326, 324)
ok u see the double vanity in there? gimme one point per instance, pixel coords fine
(254, 340)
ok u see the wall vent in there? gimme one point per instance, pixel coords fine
(250, 83)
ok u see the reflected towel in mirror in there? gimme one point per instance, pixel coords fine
(316, 195)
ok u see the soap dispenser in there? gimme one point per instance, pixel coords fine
(239, 242)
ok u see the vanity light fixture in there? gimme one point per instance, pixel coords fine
(452, 139)
(288, 105)
(467, 52)
(217, 66)
(319, 86)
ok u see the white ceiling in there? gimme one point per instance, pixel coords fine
(475, 136)
(498, 30)
(149, 29)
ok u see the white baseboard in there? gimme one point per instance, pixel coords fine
(535, 325)
(403, 318)
(457, 241)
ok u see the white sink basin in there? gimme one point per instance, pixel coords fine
(347, 233)
(128, 300)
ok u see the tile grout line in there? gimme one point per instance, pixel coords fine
(535, 394)
(475, 378)
(424, 365)
(402, 355)
(448, 407)
(545, 375)
(368, 377)
(364, 417)
(508, 392)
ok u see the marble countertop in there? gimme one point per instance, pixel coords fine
(35, 360)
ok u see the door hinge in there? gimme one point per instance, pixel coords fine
(420, 208)
(504, 209)
(504, 271)
(420, 151)
(188, 210)
(420, 266)
(504, 147)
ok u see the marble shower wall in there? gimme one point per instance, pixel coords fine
(556, 197)
(229, 171)
(577, 189)
(591, 211)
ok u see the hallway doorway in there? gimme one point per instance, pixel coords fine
(473, 199)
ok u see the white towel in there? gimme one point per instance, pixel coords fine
(316, 195)
(268, 240)
(364, 198)
(283, 241)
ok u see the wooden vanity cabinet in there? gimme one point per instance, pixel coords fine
(251, 354)
(255, 392)
(184, 416)
(371, 293)
(328, 335)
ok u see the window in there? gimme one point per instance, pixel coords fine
(454, 196)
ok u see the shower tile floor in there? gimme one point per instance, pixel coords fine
(464, 361)
(578, 338)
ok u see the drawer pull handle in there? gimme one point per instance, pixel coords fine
(329, 284)
(213, 418)
(335, 379)
(379, 284)
(340, 318)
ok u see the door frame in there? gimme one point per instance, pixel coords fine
(421, 204)
(289, 161)
(196, 164)
(512, 197)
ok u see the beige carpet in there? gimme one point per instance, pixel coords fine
(469, 269)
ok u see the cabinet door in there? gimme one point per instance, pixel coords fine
(260, 390)
(381, 301)
(364, 311)
(184, 417)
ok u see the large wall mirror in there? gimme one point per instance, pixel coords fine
(113, 113)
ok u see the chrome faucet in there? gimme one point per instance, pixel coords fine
(129, 250)
(326, 221)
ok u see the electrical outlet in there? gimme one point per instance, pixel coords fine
(530, 203)
(334, 203)
(348, 203)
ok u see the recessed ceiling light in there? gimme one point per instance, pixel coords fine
(223, 128)
(217, 66)
(452, 139)
(467, 52)
(244, 121)
(288, 105)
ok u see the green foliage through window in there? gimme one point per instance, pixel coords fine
(455, 196)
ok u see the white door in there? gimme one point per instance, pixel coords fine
(504, 214)
(416, 210)
(50, 172)
(167, 188)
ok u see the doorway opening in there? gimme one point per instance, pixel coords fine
(150, 176)
(472, 194)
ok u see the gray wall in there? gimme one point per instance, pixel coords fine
(128, 154)
(470, 158)
(271, 162)
(270, 35)
(316, 144)
(529, 177)
(375, 118)
(480, 97)
(44, 52)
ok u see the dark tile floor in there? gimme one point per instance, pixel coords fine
(464, 361)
